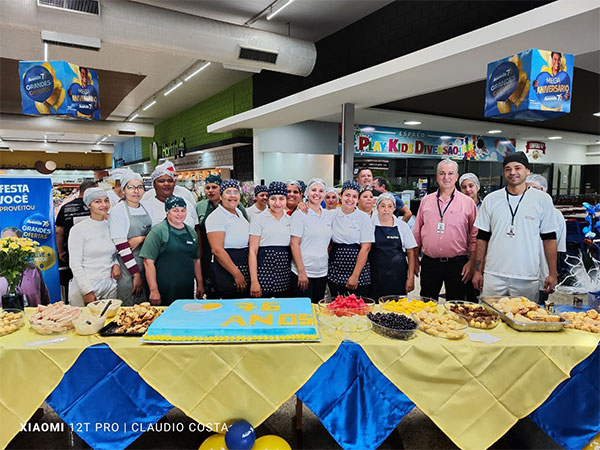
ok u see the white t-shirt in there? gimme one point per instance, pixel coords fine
(518, 256)
(236, 227)
(406, 235)
(353, 228)
(271, 231)
(315, 233)
(179, 191)
(253, 211)
(113, 198)
(156, 209)
(118, 219)
(561, 244)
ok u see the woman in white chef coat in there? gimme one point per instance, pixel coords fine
(269, 248)
(352, 235)
(228, 232)
(92, 255)
(311, 235)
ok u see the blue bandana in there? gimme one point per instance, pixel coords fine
(231, 183)
(174, 201)
(260, 188)
(302, 186)
(350, 185)
(216, 179)
(278, 188)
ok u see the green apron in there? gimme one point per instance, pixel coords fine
(139, 225)
(175, 267)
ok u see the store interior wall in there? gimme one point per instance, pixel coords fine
(286, 166)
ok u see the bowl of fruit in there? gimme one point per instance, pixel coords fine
(350, 327)
(347, 305)
(393, 325)
(402, 304)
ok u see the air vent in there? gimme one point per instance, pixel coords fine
(78, 6)
(71, 40)
(126, 133)
(254, 54)
(96, 151)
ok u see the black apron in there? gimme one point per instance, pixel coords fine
(388, 263)
(175, 268)
(223, 281)
(342, 260)
(274, 268)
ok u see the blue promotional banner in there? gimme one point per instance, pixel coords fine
(399, 143)
(26, 208)
(531, 85)
(59, 88)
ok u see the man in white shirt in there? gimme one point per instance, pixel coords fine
(511, 222)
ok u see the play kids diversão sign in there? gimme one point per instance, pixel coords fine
(531, 85)
(59, 88)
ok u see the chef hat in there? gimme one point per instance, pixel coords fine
(231, 183)
(350, 185)
(216, 179)
(159, 172)
(469, 176)
(130, 176)
(92, 194)
(385, 196)
(173, 201)
(167, 165)
(260, 188)
(277, 188)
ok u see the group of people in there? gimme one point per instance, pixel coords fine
(298, 239)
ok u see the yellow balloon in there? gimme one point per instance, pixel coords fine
(271, 442)
(214, 442)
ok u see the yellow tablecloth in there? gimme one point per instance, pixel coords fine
(475, 392)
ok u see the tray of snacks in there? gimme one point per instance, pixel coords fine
(522, 314)
(393, 326)
(402, 304)
(11, 320)
(55, 318)
(98, 306)
(476, 315)
(585, 321)
(347, 327)
(447, 326)
(345, 306)
(132, 321)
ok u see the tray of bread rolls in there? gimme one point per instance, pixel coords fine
(522, 314)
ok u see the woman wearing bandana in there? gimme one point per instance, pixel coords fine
(353, 233)
(261, 194)
(295, 191)
(269, 247)
(228, 232)
(172, 258)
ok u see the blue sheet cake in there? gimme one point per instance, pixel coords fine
(241, 320)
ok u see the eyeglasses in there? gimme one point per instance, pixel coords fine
(135, 188)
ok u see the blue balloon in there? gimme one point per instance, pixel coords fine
(240, 436)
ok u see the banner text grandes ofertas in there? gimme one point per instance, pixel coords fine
(15, 197)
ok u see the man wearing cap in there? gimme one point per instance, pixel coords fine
(511, 222)
(116, 193)
(261, 194)
(179, 191)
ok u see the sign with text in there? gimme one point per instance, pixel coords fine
(531, 85)
(59, 88)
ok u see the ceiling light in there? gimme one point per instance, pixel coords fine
(149, 105)
(172, 88)
(553, 138)
(494, 131)
(367, 129)
(412, 122)
(278, 10)
(197, 71)
(597, 114)
(104, 138)
(135, 116)
(445, 137)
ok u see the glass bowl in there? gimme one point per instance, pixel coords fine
(44, 325)
(468, 310)
(326, 304)
(393, 333)
(351, 327)
(11, 320)
(96, 307)
(407, 304)
(447, 326)
(87, 324)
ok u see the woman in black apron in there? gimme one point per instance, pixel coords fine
(391, 273)
(349, 269)
(227, 231)
(172, 257)
(269, 247)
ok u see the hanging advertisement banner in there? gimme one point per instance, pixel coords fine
(399, 143)
(59, 88)
(531, 85)
(27, 210)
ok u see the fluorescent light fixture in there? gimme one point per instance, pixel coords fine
(51, 151)
(494, 131)
(553, 138)
(172, 88)
(412, 122)
(278, 10)
(367, 129)
(135, 116)
(597, 114)
(149, 105)
(104, 138)
(197, 71)
(445, 137)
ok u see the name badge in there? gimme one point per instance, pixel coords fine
(441, 227)
(189, 242)
(510, 232)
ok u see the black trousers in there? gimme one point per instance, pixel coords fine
(435, 272)
(339, 289)
(315, 290)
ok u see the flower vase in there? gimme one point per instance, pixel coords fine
(13, 299)
(594, 299)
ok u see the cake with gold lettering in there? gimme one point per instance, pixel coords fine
(239, 320)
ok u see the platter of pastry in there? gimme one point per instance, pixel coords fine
(522, 314)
